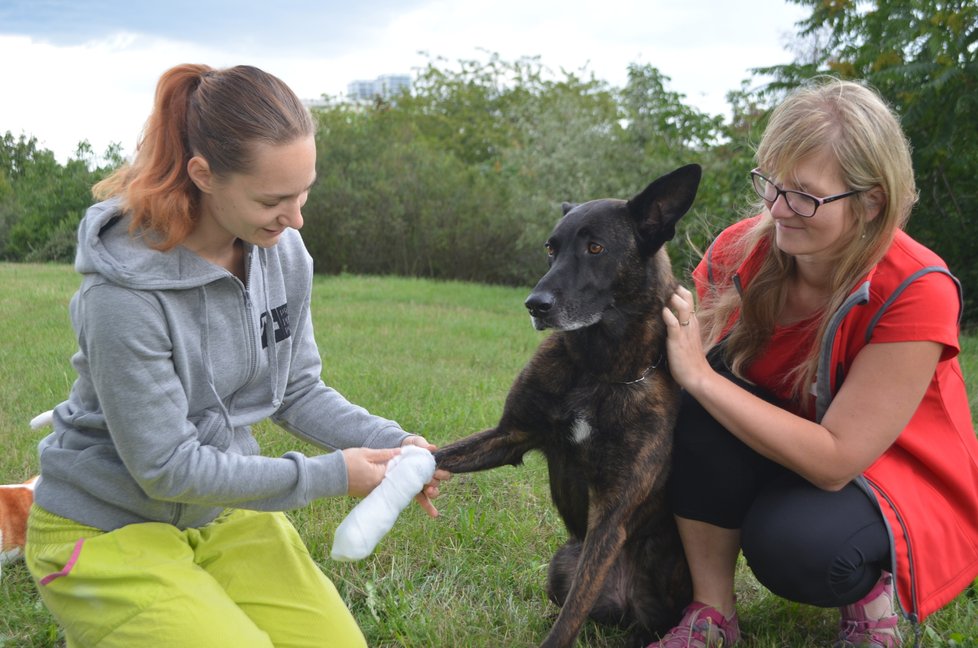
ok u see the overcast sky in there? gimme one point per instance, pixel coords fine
(87, 69)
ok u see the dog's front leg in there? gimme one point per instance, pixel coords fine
(602, 546)
(614, 503)
(498, 446)
(520, 429)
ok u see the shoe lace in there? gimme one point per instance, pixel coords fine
(695, 634)
(869, 632)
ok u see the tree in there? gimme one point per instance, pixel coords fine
(42, 201)
(662, 133)
(464, 178)
(390, 201)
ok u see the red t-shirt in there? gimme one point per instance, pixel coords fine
(772, 369)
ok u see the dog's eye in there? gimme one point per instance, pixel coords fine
(595, 248)
(549, 248)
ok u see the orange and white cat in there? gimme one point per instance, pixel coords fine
(15, 502)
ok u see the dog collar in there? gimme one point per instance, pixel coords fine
(645, 374)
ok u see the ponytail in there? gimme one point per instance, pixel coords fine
(216, 114)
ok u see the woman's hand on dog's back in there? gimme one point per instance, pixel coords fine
(684, 348)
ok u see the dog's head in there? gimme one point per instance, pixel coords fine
(600, 251)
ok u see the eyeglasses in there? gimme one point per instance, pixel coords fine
(803, 204)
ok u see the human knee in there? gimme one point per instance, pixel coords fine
(335, 629)
(812, 546)
(782, 557)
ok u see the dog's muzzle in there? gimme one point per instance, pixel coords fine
(540, 304)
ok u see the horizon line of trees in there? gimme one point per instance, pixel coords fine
(463, 177)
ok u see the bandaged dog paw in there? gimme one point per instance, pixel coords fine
(370, 520)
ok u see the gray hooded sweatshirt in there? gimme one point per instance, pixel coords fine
(177, 359)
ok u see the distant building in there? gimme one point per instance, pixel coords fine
(316, 103)
(387, 87)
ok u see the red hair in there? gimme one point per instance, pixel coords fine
(216, 114)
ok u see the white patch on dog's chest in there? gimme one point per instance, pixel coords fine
(580, 430)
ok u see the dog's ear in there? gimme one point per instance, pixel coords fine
(659, 206)
(567, 207)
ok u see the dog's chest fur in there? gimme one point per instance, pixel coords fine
(596, 413)
(580, 429)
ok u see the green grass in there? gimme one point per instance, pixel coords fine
(439, 358)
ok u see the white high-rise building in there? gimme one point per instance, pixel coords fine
(387, 86)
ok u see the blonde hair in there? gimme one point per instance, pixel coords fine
(216, 114)
(858, 129)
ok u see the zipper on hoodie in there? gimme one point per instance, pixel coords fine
(251, 334)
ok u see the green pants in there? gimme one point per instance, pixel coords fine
(245, 580)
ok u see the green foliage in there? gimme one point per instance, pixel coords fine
(464, 178)
(42, 201)
(389, 201)
(922, 55)
(663, 133)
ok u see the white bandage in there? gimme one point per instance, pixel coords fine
(371, 519)
(42, 420)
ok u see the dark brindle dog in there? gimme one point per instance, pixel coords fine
(597, 400)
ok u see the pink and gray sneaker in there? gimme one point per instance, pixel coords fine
(871, 622)
(702, 626)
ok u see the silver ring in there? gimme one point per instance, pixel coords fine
(686, 323)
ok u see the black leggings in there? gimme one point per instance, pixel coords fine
(804, 544)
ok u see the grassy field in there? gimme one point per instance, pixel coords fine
(438, 358)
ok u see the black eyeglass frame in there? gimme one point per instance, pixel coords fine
(756, 173)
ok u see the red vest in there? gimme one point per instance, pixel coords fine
(926, 483)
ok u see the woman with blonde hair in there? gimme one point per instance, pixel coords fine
(156, 520)
(825, 428)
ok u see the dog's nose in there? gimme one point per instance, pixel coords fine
(539, 303)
